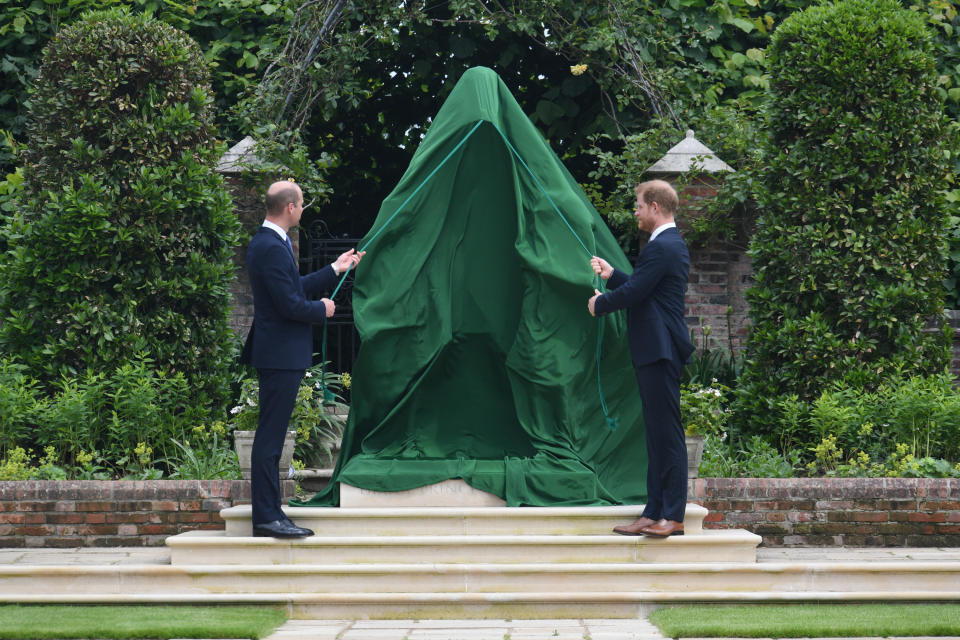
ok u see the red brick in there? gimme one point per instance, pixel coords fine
(126, 516)
(155, 529)
(43, 530)
(192, 517)
(11, 518)
(65, 518)
(871, 516)
(928, 517)
(90, 505)
(95, 518)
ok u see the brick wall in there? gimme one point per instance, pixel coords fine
(890, 512)
(895, 512)
(89, 513)
(719, 276)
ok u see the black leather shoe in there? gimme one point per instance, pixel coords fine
(294, 524)
(280, 529)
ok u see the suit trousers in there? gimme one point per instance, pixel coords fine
(666, 445)
(278, 394)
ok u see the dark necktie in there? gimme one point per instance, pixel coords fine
(290, 247)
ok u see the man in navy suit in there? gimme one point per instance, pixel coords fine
(659, 346)
(280, 344)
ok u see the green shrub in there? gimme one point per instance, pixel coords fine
(849, 250)
(205, 454)
(19, 409)
(122, 246)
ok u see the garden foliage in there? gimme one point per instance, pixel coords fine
(120, 251)
(849, 251)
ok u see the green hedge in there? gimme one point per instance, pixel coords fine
(849, 251)
(121, 248)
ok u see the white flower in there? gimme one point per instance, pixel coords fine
(251, 403)
(237, 409)
(308, 374)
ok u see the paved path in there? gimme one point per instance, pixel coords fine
(577, 629)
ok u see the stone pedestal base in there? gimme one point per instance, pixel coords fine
(449, 493)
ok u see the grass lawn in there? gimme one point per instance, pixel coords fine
(123, 622)
(808, 620)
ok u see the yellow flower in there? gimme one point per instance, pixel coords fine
(578, 69)
(346, 380)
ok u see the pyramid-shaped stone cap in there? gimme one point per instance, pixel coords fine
(686, 155)
(239, 157)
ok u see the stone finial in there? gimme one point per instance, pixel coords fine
(686, 155)
(239, 157)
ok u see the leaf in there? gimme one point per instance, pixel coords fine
(268, 9)
(548, 112)
(745, 25)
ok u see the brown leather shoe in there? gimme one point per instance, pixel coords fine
(663, 528)
(635, 528)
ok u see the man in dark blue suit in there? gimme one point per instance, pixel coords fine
(280, 344)
(659, 346)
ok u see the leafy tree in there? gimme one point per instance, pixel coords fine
(849, 251)
(121, 249)
(233, 34)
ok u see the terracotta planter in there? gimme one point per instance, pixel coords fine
(243, 444)
(694, 455)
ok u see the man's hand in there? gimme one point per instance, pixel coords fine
(331, 308)
(601, 267)
(347, 260)
(592, 302)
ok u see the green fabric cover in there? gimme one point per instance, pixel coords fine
(478, 357)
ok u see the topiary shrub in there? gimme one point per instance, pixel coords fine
(849, 251)
(121, 249)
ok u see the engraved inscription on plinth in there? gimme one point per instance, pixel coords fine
(449, 493)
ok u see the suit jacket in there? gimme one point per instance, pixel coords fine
(653, 296)
(283, 313)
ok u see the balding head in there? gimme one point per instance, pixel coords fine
(280, 194)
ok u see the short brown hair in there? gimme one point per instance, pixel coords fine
(661, 192)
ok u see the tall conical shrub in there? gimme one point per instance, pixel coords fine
(122, 247)
(849, 252)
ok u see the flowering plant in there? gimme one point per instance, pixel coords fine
(702, 409)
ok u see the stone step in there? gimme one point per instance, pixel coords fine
(215, 547)
(442, 521)
(409, 584)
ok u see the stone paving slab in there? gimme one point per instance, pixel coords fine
(567, 629)
(161, 555)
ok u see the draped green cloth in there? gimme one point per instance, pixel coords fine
(478, 358)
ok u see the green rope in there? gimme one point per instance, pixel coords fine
(612, 422)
